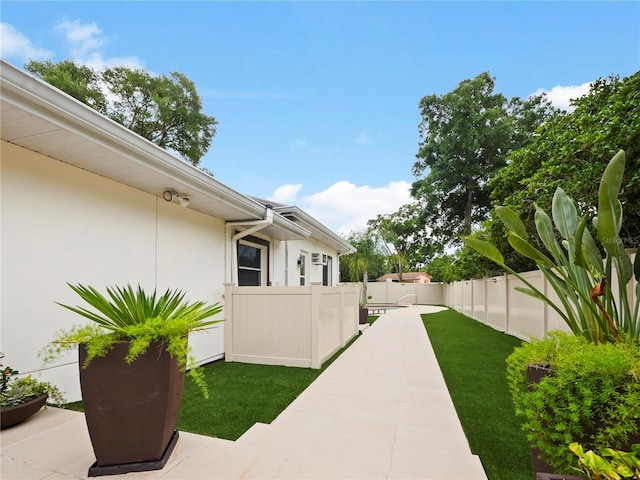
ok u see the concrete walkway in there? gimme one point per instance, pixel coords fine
(380, 411)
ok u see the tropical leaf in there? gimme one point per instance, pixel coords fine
(612, 178)
(586, 252)
(565, 214)
(511, 220)
(126, 306)
(548, 236)
(484, 248)
(523, 247)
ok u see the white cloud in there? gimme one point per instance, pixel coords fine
(14, 44)
(561, 95)
(286, 194)
(345, 207)
(84, 37)
(87, 44)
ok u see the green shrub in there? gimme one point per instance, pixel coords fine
(591, 395)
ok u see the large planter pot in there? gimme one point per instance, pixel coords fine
(19, 413)
(364, 316)
(131, 410)
(559, 476)
(535, 373)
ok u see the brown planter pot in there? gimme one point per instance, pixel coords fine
(11, 416)
(535, 373)
(558, 476)
(364, 316)
(131, 410)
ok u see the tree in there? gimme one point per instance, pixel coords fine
(408, 240)
(369, 255)
(79, 81)
(460, 265)
(165, 110)
(466, 136)
(571, 151)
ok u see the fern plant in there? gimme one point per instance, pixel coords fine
(128, 314)
(591, 395)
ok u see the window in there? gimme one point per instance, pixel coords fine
(302, 261)
(326, 271)
(252, 262)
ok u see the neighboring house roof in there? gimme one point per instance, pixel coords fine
(41, 118)
(406, 276)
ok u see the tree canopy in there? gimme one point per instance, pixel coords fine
(571, 151)
(409, 244)
(366, 262)
(466, 135)
(166, 110)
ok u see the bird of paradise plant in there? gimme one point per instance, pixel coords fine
(593, 292)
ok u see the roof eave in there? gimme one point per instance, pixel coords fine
(317, 228)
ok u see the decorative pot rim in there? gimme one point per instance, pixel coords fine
(28, 402)
(18, 413)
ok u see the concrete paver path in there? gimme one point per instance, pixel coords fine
(380, 411)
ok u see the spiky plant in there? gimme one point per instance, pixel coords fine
(133, 315)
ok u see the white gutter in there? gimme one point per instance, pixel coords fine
(36, 97)
(255, 225)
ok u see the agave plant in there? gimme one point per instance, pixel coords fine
(591, 301)
(129, 307)
(131, 314)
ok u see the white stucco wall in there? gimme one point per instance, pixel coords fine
(314, 272)
(62, 224)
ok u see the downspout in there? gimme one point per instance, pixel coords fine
(255, 225)
(286, 263)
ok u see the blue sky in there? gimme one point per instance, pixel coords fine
(318, 101)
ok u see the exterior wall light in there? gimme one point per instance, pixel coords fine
(171, 196)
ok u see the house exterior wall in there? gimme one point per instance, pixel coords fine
(62, 224)
(289, 272)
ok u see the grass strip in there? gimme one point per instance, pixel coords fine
(472, 360)
(240, 394)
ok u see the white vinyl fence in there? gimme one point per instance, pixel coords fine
(404, 293)
(495, 302)
(293, 326)
(492, 301)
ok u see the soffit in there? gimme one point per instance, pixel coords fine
(40, 118)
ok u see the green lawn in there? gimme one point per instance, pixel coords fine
(472, 360)
(240, 394)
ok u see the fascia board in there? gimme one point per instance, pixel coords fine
(41, 99)
(325, 233)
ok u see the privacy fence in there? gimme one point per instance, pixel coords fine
(496, 302)
(493, 301)
(294, 326)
